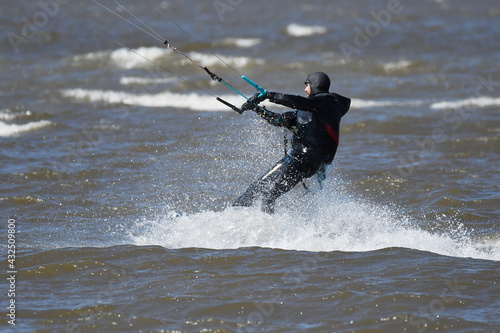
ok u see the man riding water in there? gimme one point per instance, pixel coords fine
(315, 125)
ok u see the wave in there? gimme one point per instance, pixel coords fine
(395, 66)
(199, 102)
(242, 42)
(145, 57)
(14, 129)
(364, 103)
(190, 101)
(5, 114)
(129, 80)
(127, 59)
(482, 102)
(124, 58)
(299, 30)
(330, 224)
(214, 60)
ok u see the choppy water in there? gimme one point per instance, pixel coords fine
(119, 169)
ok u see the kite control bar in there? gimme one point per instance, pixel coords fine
(234, 108)
(263, 91)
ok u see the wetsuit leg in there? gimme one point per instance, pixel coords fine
(281, 178)
(295, 169)
(257, 187)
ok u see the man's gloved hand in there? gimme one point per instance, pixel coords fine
(253, 102)
(257, 98)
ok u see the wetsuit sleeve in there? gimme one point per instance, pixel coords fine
(294, 102)
(286, 119)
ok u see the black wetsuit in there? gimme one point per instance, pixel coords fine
(315, 127)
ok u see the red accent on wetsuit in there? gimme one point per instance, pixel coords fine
(332, 133)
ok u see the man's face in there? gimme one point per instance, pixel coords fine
(308, 90)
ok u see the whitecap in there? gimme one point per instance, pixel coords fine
(299, 30)
(216, 59)
(137, 58)
(5, 114)
(362, 103)
(242, 42)
(91, 56)
(125, 58)
(148, 80)
(7, 130)
(145, 57)
(482, 102)
(191, 101)
(397, 65)
(198, 102)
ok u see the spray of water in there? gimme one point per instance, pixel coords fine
(327, 221)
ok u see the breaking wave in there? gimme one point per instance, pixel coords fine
(192, 101)
(481, 102)
(205, 102)
(145, 57)
(334, 223)
(13, 129)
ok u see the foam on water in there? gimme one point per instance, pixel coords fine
(482, 102)
(397, 66)
(192, 101)
(123, 58)
(299, 30)
(333, 223)
(130, 80)
(128, 59)
(242, 42)
(145, 57)
(365, 103)
(209, 60)
(5, 114)
(204, 102)
(13, 129)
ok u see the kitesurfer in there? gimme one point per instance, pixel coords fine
(315, 126)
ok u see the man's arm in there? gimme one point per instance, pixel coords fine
(286, 119)
(294, 101)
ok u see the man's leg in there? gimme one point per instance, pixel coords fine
(282, 180)
(257, 187)
(247, 198)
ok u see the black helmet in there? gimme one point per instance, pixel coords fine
(319, 81)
